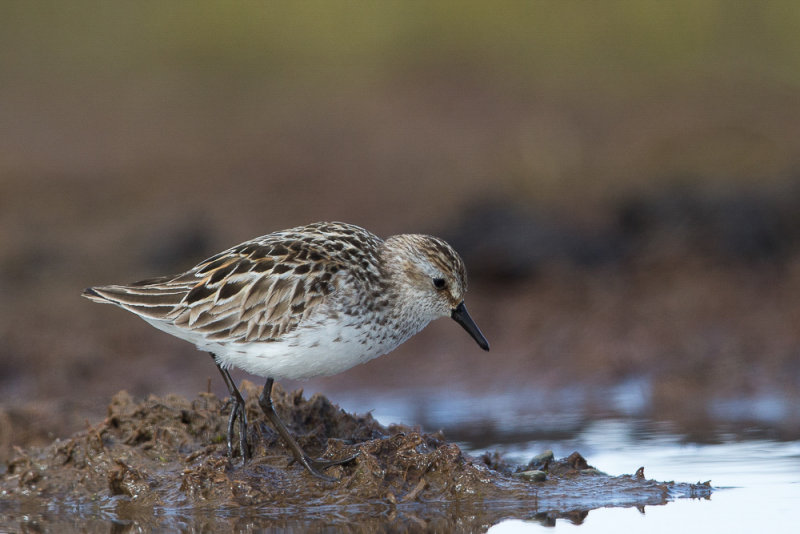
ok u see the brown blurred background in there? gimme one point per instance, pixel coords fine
(622, 179)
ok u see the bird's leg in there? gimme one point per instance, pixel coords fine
(313, 466)
(237, 410)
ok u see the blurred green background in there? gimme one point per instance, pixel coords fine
(621, 177)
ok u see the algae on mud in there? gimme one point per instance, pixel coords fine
(162, 462)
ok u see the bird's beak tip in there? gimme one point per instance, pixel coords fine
(461, 316)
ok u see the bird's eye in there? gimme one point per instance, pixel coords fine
(439, 283)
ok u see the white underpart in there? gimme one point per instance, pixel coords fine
(321, 347)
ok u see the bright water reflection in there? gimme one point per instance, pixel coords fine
(758, 481)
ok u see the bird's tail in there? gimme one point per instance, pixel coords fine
(149, 301)
(91, 294)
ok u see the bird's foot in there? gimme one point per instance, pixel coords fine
(315, 466)
(238, 412)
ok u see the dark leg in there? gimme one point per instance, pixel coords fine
(313, 466)
(237, 410)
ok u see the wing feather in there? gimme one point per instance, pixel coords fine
(256, 291)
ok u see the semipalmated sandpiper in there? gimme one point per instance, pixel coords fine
(309, 301)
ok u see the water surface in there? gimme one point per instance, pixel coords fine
(757, 480)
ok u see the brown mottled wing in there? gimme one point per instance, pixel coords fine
(256, 291)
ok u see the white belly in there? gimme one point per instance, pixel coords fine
(315, 350)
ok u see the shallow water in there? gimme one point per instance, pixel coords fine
(757, 481)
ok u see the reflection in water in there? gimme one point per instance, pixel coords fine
(611, 427)
(758, 475)
(521, 416)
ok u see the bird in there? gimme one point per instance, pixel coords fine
(313, 300)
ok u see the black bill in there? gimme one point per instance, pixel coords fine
(461, 316)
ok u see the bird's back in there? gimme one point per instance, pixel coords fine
(257, 291)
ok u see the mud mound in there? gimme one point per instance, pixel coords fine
(162, 462)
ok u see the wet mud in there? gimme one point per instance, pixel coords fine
(162, 463)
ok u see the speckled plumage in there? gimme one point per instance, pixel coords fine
(312, 300)
(308, 301)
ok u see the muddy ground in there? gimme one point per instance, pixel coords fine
(162, 463)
